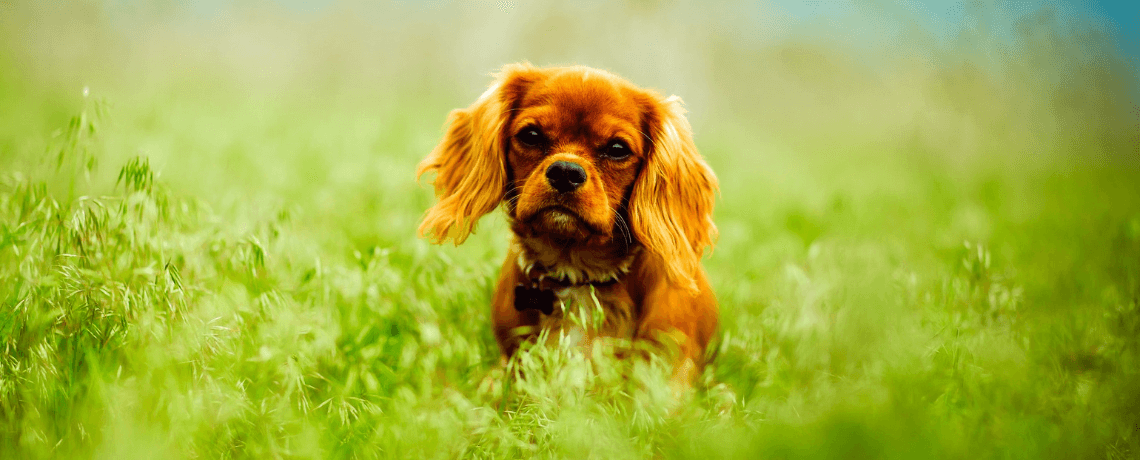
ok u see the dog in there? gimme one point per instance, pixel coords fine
(609, 202)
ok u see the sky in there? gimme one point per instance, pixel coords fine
(945, 19)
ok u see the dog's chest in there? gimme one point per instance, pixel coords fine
(584, 313)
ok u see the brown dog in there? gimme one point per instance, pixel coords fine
(607, 197)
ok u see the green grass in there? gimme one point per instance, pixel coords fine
(915, 262)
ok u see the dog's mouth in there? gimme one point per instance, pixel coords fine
(560, 221)
(558, 214)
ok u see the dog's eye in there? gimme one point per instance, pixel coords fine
(530, 136)
(617, 150)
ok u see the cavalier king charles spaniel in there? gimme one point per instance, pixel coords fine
(609, 202)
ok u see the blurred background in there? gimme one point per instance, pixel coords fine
(929, 215)
(781, 94)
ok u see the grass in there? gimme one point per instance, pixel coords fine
(942, 262)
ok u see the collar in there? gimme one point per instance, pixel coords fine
(540, 283)
(537, 291)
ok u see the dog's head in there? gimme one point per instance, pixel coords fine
(581, 157)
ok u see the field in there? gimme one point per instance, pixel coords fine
(928, 248)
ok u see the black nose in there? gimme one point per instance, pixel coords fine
(565, 176)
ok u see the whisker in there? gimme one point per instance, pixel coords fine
(512, 196)
(647, 137)
(624, 228)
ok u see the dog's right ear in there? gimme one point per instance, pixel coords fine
(470, 162)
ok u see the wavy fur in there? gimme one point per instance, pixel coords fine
(672, 201)
(470, 160)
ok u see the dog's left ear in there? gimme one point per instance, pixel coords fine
(470, 161)
(672, 201)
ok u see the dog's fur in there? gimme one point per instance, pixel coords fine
(630, 235)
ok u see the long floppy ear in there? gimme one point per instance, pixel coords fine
(672, 201)
(470, 161)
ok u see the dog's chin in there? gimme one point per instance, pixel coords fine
(558, 223)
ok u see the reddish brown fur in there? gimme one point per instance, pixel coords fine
(661, 293)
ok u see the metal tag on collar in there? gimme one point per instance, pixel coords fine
(533, 298)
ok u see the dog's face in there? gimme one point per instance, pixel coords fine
(580, 156)
(574, 150)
